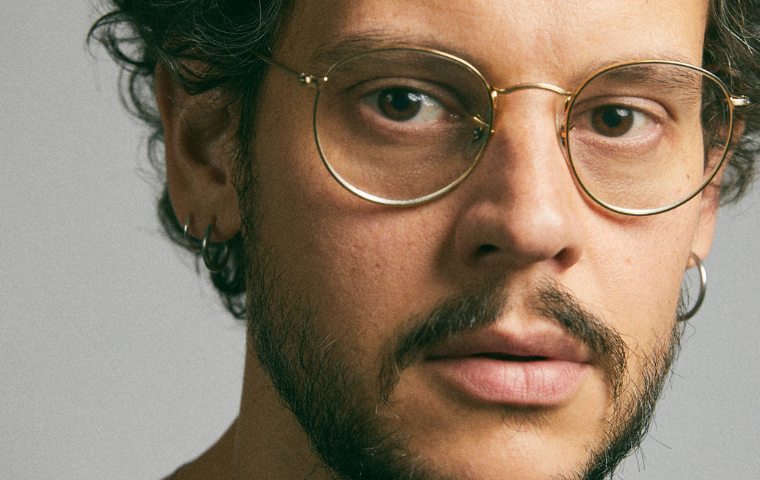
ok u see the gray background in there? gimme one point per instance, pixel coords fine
(116, 359)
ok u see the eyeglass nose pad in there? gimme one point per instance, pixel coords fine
(477, 132)
(565, 125)
(564, 130)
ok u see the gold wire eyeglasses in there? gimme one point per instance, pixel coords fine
(404, 126)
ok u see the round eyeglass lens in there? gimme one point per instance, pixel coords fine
(644, 138)
(401, 126)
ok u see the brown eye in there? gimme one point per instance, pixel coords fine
(612, 120)
(399, 104)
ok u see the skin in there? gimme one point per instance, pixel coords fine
(518, 218)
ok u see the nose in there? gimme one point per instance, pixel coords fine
(522, 205)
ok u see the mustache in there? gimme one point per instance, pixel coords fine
(481, 308)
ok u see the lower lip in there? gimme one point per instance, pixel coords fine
(531, 383)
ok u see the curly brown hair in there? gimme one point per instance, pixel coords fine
(221, 34)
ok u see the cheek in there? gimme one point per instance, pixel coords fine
(638, 271)
(363, 276)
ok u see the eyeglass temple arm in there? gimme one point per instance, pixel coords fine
(303, 78)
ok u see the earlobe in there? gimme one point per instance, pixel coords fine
(199, 148)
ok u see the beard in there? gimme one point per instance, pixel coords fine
(318, 378)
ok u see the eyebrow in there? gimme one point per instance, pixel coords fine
(340, 46)
(654, 77)
(644, 55)
(595, 66)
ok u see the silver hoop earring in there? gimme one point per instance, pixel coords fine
(702, 289)
(205, 252)
(193, 243)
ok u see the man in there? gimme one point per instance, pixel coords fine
(462, 233)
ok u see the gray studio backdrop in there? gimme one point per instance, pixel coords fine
(117, 361)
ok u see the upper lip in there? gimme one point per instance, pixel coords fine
(542, 342)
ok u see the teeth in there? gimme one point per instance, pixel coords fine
(509, 358)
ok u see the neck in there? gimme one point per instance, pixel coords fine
(265, 441)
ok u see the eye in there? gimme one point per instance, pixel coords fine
(619, 121)
(401, 104)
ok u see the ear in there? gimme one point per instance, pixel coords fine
(199, 144)
(711, 201)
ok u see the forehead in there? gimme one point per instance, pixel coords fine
(518, 39)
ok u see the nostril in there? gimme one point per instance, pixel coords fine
(486, 249)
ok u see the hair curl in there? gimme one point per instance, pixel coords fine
(220, 35)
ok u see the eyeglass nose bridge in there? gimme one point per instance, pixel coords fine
(495, 92)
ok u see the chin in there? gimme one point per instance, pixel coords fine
(449, 435)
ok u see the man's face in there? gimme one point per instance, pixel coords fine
(505, 330)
